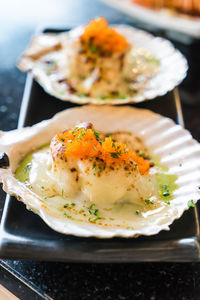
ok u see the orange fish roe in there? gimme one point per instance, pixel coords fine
(99, 37)
(85, 143)
(143, 164)
(80, 142)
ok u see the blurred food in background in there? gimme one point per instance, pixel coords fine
(191, 7)
(100, 64)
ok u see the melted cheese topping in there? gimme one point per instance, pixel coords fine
(102, 64)
(89, 190)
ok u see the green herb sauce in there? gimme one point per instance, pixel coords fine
(166, 185)
(22, 172)
(166, 182)
(156, 160)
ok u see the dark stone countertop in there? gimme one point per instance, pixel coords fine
(86, 281)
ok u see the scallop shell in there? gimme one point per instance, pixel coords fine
(171, 142)
(172, 70)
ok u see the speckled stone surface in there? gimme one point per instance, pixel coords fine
(86, 281)
(112, 281)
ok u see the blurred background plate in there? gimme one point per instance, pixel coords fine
(167, 73)
(160, 18)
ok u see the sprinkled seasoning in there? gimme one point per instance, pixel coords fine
(67, 216)
(27, 168)
(85, 143)
(147, 201)
(191, 203)
(92, 210)
(142, 154)
(165, 190)
(130, 227)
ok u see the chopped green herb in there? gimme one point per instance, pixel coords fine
(111, 219)
(147, 201)
(191, 203)
(113, 144)
(80, 135)
(165, 187)
(45, 198)
(62, 92)
(165, 190)
(91, 206)
(167, 202)
(95, 167)
(142, 154)
(93, 211)
(115, 154)
(96, 219)
(82, 95)
(95, 148)
(62, 139)
(100, 168)
(137, 212)
(42, 187)
(122, 96)
(81, 77)
(152, 59)
(27, 168)
(129, 227)
(102, 97)
(73, 204)
(66, 215)
(93, 48)
(97, 135)
(66, 205)
(166, 194)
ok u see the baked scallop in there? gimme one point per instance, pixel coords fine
(103, 171)
(102, 65)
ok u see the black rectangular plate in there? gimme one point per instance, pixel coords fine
(24, 235)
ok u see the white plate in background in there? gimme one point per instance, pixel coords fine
(164, 19)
